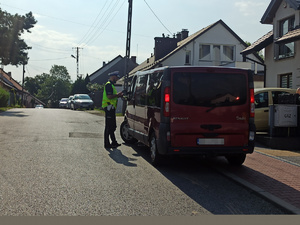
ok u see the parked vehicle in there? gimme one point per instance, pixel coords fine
(82, 101)
(264, 97)
(69, 102)
(63, 103)
(39, 106)
(192, 110)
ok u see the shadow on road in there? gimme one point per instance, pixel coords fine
(119, 158)
(13, 114)
(197, 177)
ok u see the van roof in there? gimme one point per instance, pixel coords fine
(171, 67)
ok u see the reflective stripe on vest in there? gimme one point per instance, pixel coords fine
(106, 101)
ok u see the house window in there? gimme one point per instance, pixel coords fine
(286, 81)
(228, 53)
(188, 58)
(286, 26)
(287, 49)
(204, 52)
(217, 53)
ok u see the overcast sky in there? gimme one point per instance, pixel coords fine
(99, 28)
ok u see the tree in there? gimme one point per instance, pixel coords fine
(80, 86)
(54, 86)
(13, 49)
(60, 72)
(33, 84)
(4, 96)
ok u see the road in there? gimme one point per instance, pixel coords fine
(52, 162)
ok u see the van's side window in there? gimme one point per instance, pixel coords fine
(154, 89)
(140, 90)
(132, 86)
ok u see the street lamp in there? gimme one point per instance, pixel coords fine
(77, 63)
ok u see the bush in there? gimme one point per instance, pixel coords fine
(4, 96)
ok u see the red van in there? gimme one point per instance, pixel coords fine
(192, 110)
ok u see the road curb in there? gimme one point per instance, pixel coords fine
(281, 203)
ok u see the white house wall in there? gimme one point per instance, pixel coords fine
(275, 68)
(218, 35)
(291, 65)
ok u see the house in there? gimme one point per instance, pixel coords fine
(214, 45)
(17, 92)
(117, 64)
(101, 77)
(281, 44)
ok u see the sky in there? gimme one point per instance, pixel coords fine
(98, 28)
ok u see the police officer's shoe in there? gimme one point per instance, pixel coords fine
(115, 145)
(107, 146)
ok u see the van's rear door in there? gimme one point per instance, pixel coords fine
(209, 107)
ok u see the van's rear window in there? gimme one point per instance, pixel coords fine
(209, 89)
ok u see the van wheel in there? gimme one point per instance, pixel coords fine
(126, 137)
(236, 159)
(156, 158)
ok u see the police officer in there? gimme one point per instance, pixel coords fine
(109, 104)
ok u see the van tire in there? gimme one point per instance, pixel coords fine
(156, 158)
(126, 137)
(236, 159)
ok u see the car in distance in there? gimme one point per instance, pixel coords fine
(264, 97)
(190, 110)
(69, 102)
(63, 103)
(82, 101)
(39, 106)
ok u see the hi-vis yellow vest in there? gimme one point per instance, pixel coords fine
(106, 101)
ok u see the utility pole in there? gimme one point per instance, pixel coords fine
(128, 40)
(127, 56)
(77, 59)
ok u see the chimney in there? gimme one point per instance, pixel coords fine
(184, 34)
(104, 63)
(133, 59)
(9, 74)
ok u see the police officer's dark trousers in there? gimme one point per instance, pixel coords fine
(110, 126)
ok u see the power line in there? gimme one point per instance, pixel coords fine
(99, 32)
(92, 26)
(50, 59)
(157, 17)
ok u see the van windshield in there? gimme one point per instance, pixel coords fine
(209, 89)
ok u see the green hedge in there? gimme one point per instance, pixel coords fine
(4, 96)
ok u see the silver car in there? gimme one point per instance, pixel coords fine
(63, 103)
(81, 101)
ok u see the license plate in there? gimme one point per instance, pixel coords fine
(210, 141)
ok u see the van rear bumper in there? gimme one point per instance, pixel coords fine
(164, 147)
(209, 151)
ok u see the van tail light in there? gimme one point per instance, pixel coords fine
(167, 102)
(252, 103)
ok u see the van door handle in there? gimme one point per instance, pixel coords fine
(266, 110)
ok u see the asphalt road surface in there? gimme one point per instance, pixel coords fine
(52, 162)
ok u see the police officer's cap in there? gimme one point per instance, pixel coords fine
(115, 73)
